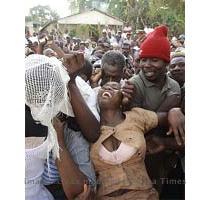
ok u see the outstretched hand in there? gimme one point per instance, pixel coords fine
(176, 120)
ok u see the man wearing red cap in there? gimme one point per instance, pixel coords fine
(156, 91)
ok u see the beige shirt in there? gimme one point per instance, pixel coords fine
(131, 174)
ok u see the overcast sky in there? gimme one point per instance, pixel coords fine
(60, 6)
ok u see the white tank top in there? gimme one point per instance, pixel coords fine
(35, 158)
(122, 154)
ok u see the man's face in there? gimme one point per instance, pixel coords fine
(111, 73)
(94, 45)
(153, 68)
(128, 36)
(87, 45)
(104, 34)
(126, 50)
(82, 46)
(177, 68)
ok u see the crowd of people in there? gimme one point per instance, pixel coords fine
(105, 118)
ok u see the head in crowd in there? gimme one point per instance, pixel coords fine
(100, 44)
(128, 35)
(27, 33)
(104, 34)
(98, 53)
(34, 34)
(126, 49)
(87, 44)
(93, 44)
(110, 96)
(119, 32)
(177, 67)
(155, 54)
(49, 52)
(82, 46)
(112, 64)
(109, 34)
(107, 46)
(86, 72)
(116, 46)
(182, 39)
(68, 40)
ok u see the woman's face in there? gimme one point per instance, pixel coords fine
(110, 95)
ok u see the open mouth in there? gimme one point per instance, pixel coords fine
(149, 74)
(106, 95)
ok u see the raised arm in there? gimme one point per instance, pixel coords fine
(89, 125)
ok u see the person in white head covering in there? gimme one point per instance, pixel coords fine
(46, 93)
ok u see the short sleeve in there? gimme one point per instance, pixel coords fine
(174, 88)
(138, 97)
(92, 104)
(147, 118)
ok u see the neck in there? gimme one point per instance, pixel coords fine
(161, 81)
(111, 117)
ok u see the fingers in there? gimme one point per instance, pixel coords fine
(182, 133)
(85, 195)
(177, 137)
(85, 188)
(128, 90)
(73, 62)
(127, 94)
(170, 131)
(129, 85)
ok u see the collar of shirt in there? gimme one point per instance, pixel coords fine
(147, 83)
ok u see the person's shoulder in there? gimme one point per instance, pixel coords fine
(141, 111)
(173, 86)
(143, 115)
(172, 82)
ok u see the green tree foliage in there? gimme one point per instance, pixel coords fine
(42, 14)
(86, 4)
(150, 13)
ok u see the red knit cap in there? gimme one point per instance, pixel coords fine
(156, 45)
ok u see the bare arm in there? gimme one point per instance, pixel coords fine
(89, 125)
(71, 177)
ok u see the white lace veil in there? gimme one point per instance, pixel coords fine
(45, 93)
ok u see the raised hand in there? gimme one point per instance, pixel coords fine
(128, 91)
(73, 63)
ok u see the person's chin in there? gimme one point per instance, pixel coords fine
(150, 78)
